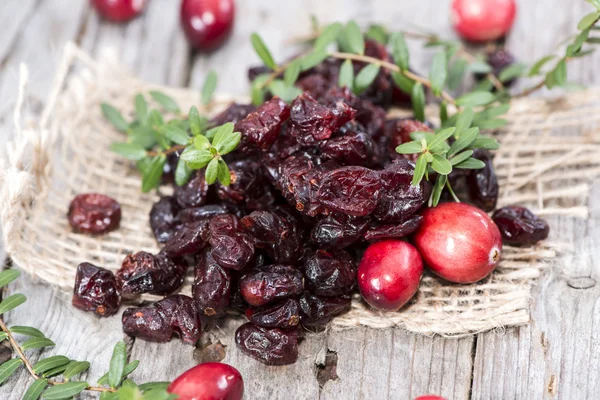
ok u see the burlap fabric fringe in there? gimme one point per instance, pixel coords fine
(548, 158)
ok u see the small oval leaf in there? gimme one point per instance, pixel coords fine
(365, 78)
(131, 151)
(441, 165)
(209, 86)
(262, 51)
(346, 77)
(9, 275)
(9, 368)
(49, 363)
(211, 171)
(164, 100)
(75, 368)
(64, 390)
(37, 343)
(117, 364)
(35, 389)
(12, 302)
(114, 117)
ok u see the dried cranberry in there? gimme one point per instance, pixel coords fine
(175, 314)
(146, 273)
(231, 246)
(519, 226)
(270, 283)
(338, 231)
(319, 310)
(329, 273)
(261, 128)
(194, 193)
(274, 233)
(372, 118)
(400, 230)
(284, 314)
(234, 113)
(189, 239)
(164, 219)
(354, 148)
(94, 213)
(483, 184)
(248, 186)
(269, 346)
(96, 290)
(204, 212)
(316, 85)
(212, 285)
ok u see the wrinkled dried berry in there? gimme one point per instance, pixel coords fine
(284, 314)
(350, 190)
(483, 184)
(212, 285)
(96, 290)
(94, 213)
(271, 283)
(204, 212)
(338, 231)
(248, 186)
(274, 233)
(173, 315)
(269, 346)
(194, 193)
(261, 128)
(234, 113)
(231, 246)
(146, 273)
(354, 148)
(319, 310)
(164, 219)
(329, 273)
(394, 231)
(189, 239)
(519, 226)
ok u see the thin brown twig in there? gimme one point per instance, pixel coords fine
(168, 151)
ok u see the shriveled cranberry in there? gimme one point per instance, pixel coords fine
(194, 193)
(400, 230)
(231, 246)
(350, 190)
(316, 85)
(271, 283)
(207, 23)
(260, 129)
(189, 239)
(284, 314)
(338, 231)
(168, 176)
(96, 290)
(482, 183)
(173, 315)
(209, 381)
(483, 20)
(329, 273)
(459, 242)
(212, 285)
(389, 274)
(146, 273)
(164, 219)
(234, 113)
(319, 310)
(271, 346)
(519, 226)
(372, 118)
(248, 186)
(204, 212)
(277, 235)
(94, 213)
(354, 148)
(119, 10)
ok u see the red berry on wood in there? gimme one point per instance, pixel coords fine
(119, 10)
(207, 23)
(483, 20)
(209, 381)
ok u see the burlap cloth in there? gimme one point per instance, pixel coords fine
(550, 154)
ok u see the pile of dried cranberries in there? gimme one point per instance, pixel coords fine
(314, 186)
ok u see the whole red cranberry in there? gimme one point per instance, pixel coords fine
(209, 381)
(483, 20)
(459, 242)
(389, 274)
(207, 23)
(119, 10)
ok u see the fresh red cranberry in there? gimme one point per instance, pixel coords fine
(389, 274)
(483, 20)
(119, 10)
(459, 242)
(209, 381)
(207, 23)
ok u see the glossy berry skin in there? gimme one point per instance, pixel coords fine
(209, 381)
(119, 10)
(519, 226)
(483, 20)
(459, 242)
(96, 289)
(207, 23)
(389, 274)
(94, 213)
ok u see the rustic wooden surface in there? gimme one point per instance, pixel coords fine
(556, 356)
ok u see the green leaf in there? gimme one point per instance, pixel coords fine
(580, 40)
(346, 77)
(212, 171)
(117, 364)
(588, 20)
(222, 135)
(377, 33)
(492, 123)
(176, 134)
(49, 363)
(313, 59)
(195, 122)
(223, 174)
(428, 157)
(109, 396)
(558, 76)
(420, 168)
(593, 40)
(201, 142)
(410, 148)
(75, 368)
(143, 135)
(55, 371)
(400, 51)
(257, 91)
(114, 117)
(595, 3)
(151, 179)
(7, 276)
(471, 163)
(486, 143)
(480, 67)
(3, 336)
(460, 157)
(475, 99)
(351, 39)
(35, 389)
(537, 67)
(329, 34)
(365, 78)
(141, 108)
(464, 121)
(209, 86)
(154, 386)
(130, 151)
(11, 302)
(165, 101)
(37, 343)
(155, 118)
(129, 368)
(8, 368)
(420, 135)
(441, 165)
(403, 83)
(443, 112)
(64, 390)
(463, 141)
(262, 51)
(457, 73)
(159, 395)
(284, 92)
(491, 112)
(291, 73)
(418, 101)
(436, 194)
(196, 158)
(511, 72)
(440, 138)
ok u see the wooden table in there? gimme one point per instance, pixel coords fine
(556, 356)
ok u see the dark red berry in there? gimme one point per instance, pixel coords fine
(519, 226)
(482, 183)
(207, 23)
(338, 231)
(231, 246)
(212, 285)
(275, 234)
(119, 10)
(261, 128)
(329, 273)
(400, 230)
(204, 212)
(483, 20)
(271, 346)
(194, 193)
(96, 290)
(271, 283)
(234, 113)
(319, 310)
(164, 219)
(146, 273)
(209, 381)
(189, 239)
(94, 213)
(284, 314)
